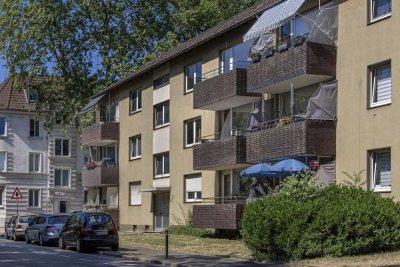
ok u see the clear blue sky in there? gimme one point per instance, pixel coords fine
(3, 71)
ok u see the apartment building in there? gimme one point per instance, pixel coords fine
(369, 61)
(45, 166)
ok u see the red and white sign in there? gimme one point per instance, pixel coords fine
(17, 194)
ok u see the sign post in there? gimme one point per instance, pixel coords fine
(16, 195)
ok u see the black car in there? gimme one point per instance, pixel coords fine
(89, 229)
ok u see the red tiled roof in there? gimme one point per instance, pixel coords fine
(12, 98)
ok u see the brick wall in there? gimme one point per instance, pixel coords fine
(213, 154)
(100, 131)
(308, 58)
(220, 216)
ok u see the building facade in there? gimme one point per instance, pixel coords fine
(45, 166)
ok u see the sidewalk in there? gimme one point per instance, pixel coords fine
(178, 259)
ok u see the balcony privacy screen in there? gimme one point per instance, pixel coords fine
(274, 17)
(323, 103)
(92, 103)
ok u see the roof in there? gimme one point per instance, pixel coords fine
(182, 48)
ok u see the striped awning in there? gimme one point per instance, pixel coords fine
(273, 18)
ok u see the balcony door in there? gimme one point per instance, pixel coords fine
(161, 211)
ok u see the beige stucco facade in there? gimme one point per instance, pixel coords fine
(361, 129)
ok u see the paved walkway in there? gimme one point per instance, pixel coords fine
(179, 259)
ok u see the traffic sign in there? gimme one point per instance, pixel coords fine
(17, 194)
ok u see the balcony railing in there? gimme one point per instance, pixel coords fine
(105, 162)
(222, 200)
(224, 69)
(100, 133)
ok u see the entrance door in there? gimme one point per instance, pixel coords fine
(225, 186)
(60, 206)
(161, 211)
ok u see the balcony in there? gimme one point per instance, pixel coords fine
(100, 176)
(220, 91)
(220, 154)
(299, 62)
(100, 134)
(285, 138)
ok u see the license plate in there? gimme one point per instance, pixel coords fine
(101, 232)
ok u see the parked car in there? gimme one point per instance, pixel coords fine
(15, 227)
(45, 228)
(89, 229)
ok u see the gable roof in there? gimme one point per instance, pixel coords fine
(198, 40)
(12, 98)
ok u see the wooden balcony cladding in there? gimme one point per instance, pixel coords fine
(220, 154)
(222, 91)
(296, 139)
(100, 133)
(219, 216)
(100, 176)
(301, 65)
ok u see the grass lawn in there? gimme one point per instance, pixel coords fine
(237, 249)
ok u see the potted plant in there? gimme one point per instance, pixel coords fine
(299, 40)
(255, 57)
(283, 46)
(269, 52)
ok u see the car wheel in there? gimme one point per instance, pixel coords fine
(41, 242)
(15, 237)
(115, 247)
(79, 246)
(27, 239)
(61, 243)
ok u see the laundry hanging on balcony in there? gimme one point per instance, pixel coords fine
(323, 103)
(255, 117)
(274, 17)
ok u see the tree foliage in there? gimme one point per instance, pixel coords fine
(82, 46)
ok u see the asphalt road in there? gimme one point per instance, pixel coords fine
(18, 254)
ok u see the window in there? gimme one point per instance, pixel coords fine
(163, 81)
(135, 101)
(381, 84)
(34, 162)
(33, 127)
(1, 196)
(3, 126)
(61, 178)
(193, 76)
(235, 57)
(135, 146)
(192, 132)
(3, 161)
(193, 188)
(380, 9)
(161, 165)
(62, 147)
(33, 95)
(380, 170)
(33, 198)
(161, 114)
(135, 194)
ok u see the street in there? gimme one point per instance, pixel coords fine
(16, 254)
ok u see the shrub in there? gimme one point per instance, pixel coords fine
(338, 220)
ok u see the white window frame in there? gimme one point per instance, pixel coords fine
(32, 89)
(372, 173)
(39, 198)
(371, 15)
(372, 86)
(164, 123)
(196, 122)
(5, 126)
(62, 147)
(34, 161)
(163, 165)
(36, 128)
(136, 184)
(195, 75)
(196, 193)
(132, 140)
(62, 177)
(136, 99)
(5, 161)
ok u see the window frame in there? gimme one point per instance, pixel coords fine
(163, 174)
(161, 82)
(62, 169)
(2, 193)
(5, 126)
(135, 183)
(164, 123)
(186, 193)
(195, 78)
(39, 204)
(371, 84)
(372, 170)
(131, 139)
(36, 128)
(39, 163)
(32, 89)
(62, 147)
(5, 161)
(196, 121)
(138, 101)
(379, 18)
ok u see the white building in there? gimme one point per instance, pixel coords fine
(46, 167)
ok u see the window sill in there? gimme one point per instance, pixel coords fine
(191, 145)
(34, 208)
(382, 189)
(133, 112)
(160, 176)
(135, 158)
(375, 20)
(3, 136)
(135, 205)
(188, 91)
(189, 201)
(58, 156)
(379, 104)
(35, 137)
(161, 126)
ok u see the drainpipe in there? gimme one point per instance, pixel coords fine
(262, 108)
(291, 99)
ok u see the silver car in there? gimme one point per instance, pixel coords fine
(16, 226)
(45, 228)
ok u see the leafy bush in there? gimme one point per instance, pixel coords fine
(338, 220)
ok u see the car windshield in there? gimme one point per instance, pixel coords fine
(25, 219)
(98, 218)
(58, 219)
